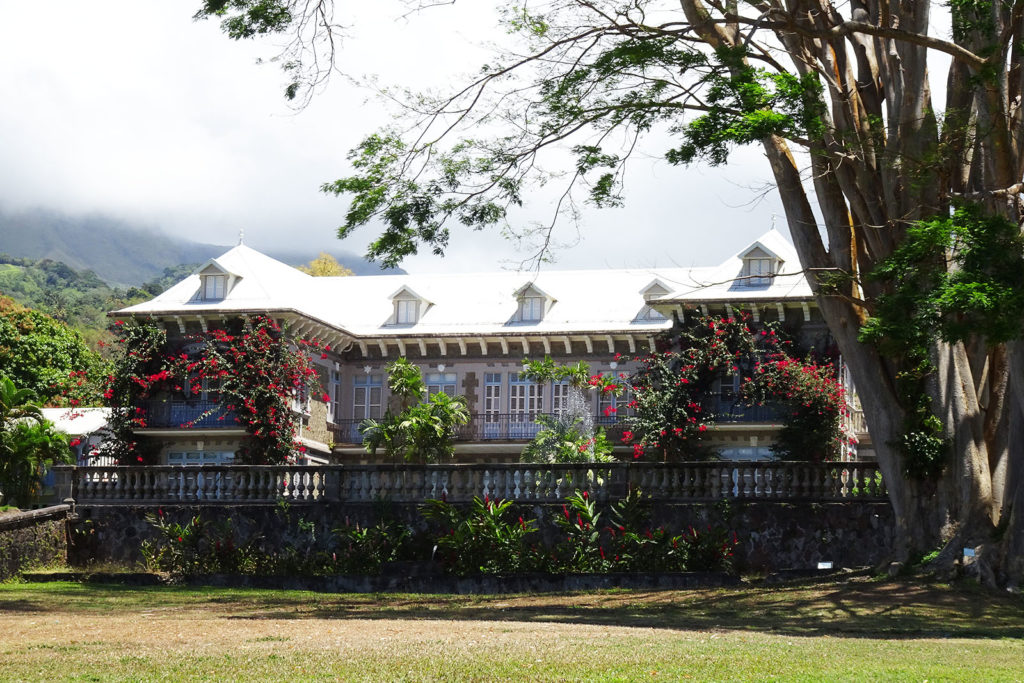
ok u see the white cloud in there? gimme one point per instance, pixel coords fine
(130, 108)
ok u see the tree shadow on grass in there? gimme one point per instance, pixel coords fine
(22, 606)
(866, 610)
(857, 608)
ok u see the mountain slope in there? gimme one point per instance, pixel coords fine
(119, 253)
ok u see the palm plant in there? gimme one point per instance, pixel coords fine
(28, 444)
(423, 431)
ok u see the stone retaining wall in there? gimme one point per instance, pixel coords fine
(32, 539)
(773, 536)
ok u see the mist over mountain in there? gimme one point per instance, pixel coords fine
(124, 254)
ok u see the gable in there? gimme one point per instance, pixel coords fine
(655, 289)
(758, 252)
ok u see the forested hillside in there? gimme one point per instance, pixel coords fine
(80, 299)
(123, 254)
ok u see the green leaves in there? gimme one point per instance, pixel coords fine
(484, 539)
(952, 279)
(40, 354)
(28, 444)
(424, 430)
(747, 105)
(414, 212)
(248, 18)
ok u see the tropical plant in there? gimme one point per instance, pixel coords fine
(579, 548)
(366, 549)
(570, 436)
(674, 399)
(484, 539)
(424, 430)
(811, 401)
(28, 445)
(562, 441)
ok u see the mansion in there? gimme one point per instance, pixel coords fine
(469, 334)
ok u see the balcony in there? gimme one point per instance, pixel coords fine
(729, 411)
(490, 427)
(189, 415)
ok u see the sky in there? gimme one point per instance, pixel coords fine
(130, 109)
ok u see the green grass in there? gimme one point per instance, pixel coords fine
(857, 630)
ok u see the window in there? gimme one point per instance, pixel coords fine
(612, 408)
(492, 405)
(560, 398)
(525, 402)
(206, 389)
(758, 271)
(441, 383)
(192, 458)
(531, 308)
(300, 399)
(334, 409)
(214, 287)
(649, 313)
(366, 396)
(407, 312)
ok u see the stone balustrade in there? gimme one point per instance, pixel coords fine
(204, 484)
(527, 483)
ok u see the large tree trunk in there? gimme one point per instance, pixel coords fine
(1012, 521)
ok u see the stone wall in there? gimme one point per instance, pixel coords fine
(773, 536)
(32, 539)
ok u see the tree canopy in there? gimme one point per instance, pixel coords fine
(325, 265)
(45, 356)
(891, 183)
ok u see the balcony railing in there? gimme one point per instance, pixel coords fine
(523, 427)
(489, 427)
(527, 483)
(188, 414)
(727, 410)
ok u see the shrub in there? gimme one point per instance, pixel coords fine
(488, 538)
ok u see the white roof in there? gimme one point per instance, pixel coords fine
(585, 301)
(77, 421)
(720, 283)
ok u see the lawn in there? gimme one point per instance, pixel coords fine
(858, 629)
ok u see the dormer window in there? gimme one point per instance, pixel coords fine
(758, 271)
(655, 290)
(531, 308)
(533, 304)
(214, 287)
(407, 312)
(215, 282)
(759, 267)
(409, 307)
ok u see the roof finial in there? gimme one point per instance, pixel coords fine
(774, 216)
(241, 234)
